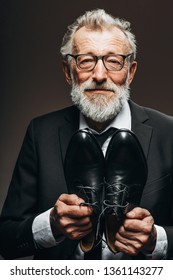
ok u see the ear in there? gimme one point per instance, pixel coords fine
(133, 68)
(66, 70)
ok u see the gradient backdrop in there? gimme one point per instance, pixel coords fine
(32, 82)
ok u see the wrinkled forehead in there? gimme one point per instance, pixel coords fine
(112, 37)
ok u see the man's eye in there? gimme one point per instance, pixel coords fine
(113, 61)
(87, 60)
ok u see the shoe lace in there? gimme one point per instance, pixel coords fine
(86, 192)
(116, 190)
(112, 190)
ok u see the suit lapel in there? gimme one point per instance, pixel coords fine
(140, 127)
(69, 126)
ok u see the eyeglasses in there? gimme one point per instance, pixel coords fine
(87, 62)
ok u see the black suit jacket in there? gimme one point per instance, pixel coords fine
(38, 178)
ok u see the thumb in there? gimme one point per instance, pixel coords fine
(138, 213)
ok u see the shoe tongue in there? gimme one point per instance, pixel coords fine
(102, 137)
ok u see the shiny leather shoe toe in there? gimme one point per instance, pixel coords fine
(84, 173)
(126, 175)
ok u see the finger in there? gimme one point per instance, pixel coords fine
(136, 225)
(76, 235)
(124, 233)
(83, 228)
(127, 248)
(131, 240)
(66, 222)
(75, 232)
(138, 213)
(134, 237)
(70, 199)
(73, 211)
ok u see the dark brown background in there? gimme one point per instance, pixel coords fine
(32, 82)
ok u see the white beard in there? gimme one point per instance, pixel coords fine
(99, 107)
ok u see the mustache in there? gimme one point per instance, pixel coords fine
(103, 86)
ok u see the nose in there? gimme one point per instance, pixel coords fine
(99, 72)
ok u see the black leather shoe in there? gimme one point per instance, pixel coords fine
(126, 175)
(84, 173)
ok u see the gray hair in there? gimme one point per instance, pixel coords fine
(97, 19)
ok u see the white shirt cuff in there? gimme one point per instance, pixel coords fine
(42, 232)
(160, 251)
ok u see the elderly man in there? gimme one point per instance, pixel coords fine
(39, 216)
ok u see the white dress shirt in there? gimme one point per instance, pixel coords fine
(41, 225)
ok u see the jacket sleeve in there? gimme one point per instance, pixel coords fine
(169, 232)
(20, 207)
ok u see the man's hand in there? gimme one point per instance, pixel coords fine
(70, 218)
(137, 232)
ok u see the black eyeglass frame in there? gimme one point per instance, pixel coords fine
(102, 57)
